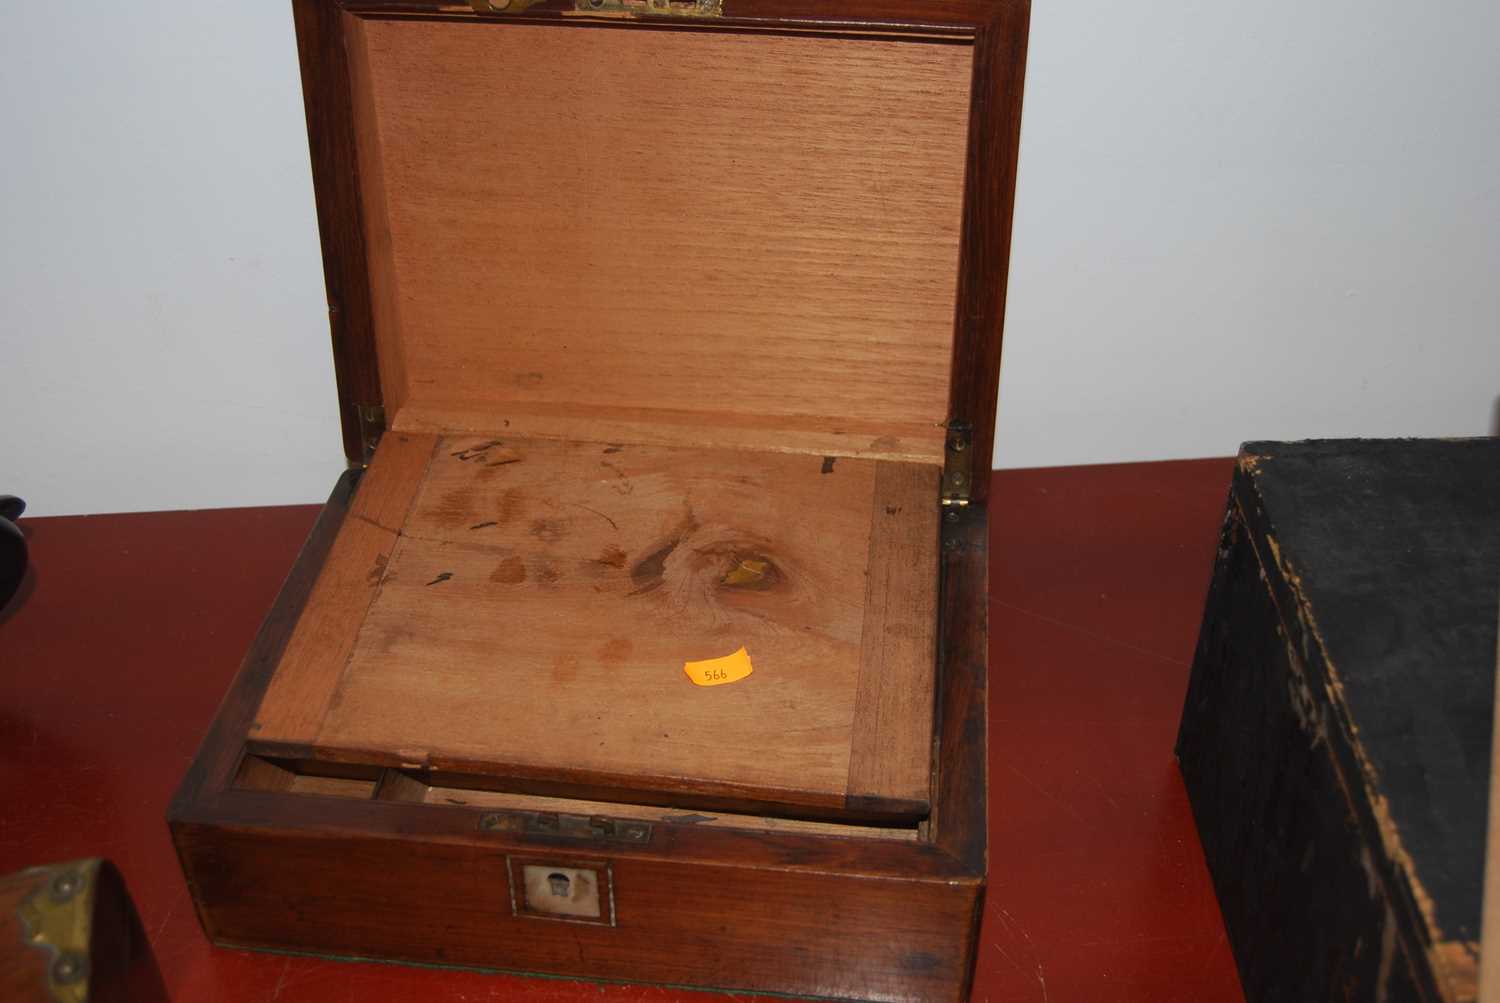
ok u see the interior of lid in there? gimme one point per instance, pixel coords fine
(662, 235)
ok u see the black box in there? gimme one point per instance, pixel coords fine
(1335, 742)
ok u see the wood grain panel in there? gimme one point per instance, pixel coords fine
(842, 934)
(299, 693)
(542, 599)
(384, 294)
(892, 735)
(695, 222)
(662, 427)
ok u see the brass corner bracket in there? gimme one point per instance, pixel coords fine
(57, 919)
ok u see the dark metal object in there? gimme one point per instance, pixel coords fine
(958, 463)
(12, 547)
(571, 826)
(70, 934)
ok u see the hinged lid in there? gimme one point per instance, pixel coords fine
(786, 228)
(710, 629)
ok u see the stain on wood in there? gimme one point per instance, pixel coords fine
(474, 452)
(751, 572)
(511, 571)
(648, 571)
(615, 651)
(611, 557)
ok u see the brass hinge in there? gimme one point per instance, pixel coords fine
(371, 428)
(958, 462)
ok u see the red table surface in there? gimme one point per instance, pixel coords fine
(115, 656)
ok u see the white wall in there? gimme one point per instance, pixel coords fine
(1253, 220)
(163, 333)
(1233, 221)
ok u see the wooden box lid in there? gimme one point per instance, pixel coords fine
(759, 224)
(521, 615)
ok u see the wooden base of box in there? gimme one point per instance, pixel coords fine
(392, 867)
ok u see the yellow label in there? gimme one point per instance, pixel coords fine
(718, 671)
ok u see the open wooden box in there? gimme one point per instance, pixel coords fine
(664, 331)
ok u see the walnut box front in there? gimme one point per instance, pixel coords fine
(645, 638)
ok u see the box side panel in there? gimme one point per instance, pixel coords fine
(1304, 901)
(694, 924)
(960, 818)
(1349, 535)
(1383, 557)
